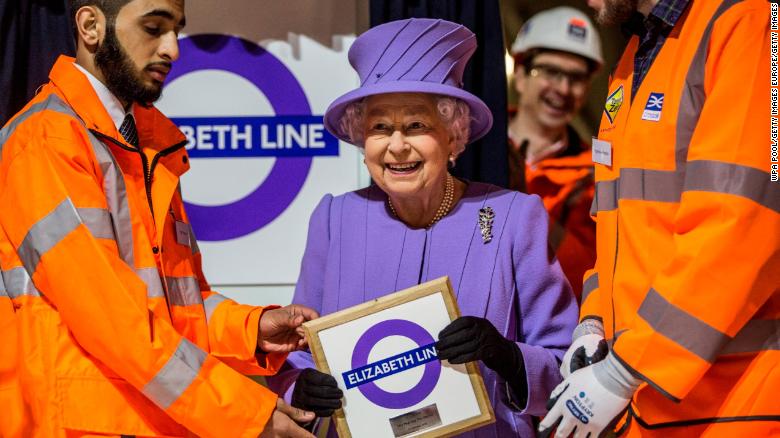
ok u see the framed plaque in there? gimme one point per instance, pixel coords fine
(382, 355)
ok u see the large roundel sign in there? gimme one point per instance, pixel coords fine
(292, 136)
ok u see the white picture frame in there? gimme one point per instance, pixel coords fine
(381, 354)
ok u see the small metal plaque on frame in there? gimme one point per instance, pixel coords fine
(415, 421)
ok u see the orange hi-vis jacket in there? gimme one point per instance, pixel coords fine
(687, 277)
(566, 185)
(13, 421)
(118, 331)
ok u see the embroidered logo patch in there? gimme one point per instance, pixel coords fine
(614, 102)
(577, 29)
(655, 103)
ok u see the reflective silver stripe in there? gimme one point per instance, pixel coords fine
(98, 220)
(650, 185)
(112, 224)
(151, 276)
(113, 181)
(701, 175)
(52, 102)
(692, 96)
(605, 198)
(639, 184)
(689, 332)
(591, 284)
(18, 283)
(211, 304)
(756, 335)
(183, 291)
(733, 179)
(176, 375)
(116, 198)
(47, 232)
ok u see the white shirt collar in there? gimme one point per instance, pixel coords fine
(112, 105)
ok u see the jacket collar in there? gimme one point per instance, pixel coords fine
(110, 102)
(155, 131)
(663, 17)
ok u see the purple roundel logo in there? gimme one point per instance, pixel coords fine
(422, 356)
(292, 135)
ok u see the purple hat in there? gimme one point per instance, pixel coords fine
(417, 55)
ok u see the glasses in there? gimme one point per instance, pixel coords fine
(556, 75)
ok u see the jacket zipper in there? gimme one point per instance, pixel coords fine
(614, 270)
(148, 169)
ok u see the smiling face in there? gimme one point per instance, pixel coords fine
(139, 47)
(407, 146)
(548, 93)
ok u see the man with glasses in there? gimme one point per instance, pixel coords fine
(556, 53)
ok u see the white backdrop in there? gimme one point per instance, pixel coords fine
(261, 267)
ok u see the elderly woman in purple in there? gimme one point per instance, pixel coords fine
(417, 223)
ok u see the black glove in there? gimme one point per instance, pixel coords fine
(316, 391)
(470, 338)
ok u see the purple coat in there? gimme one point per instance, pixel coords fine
(357, 251)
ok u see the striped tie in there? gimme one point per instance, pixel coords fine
(128, 130)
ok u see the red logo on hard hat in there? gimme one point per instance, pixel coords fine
(577, 28)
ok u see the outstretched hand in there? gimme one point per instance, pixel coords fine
(285, 420)
(280, 331)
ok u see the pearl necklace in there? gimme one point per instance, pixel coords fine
(444, 207)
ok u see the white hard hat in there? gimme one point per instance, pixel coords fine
(563, 28)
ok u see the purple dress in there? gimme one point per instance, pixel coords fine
(357, 251)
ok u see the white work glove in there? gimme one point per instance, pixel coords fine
(589, 400)
(588, 347)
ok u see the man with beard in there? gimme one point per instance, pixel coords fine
(556, 53)
(685, 285)
(118, 331)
